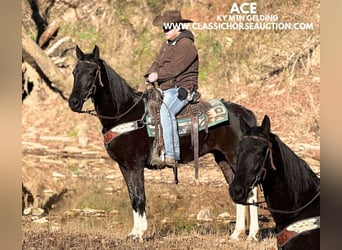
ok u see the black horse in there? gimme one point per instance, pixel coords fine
(119, 108)
(291, 188)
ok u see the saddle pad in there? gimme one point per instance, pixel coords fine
(218, 114)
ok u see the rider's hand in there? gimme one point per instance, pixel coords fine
(153, 77)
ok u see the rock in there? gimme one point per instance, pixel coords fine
(93, 212)
(41, 220)
(71, 213)
(114, 212)
(109, 190)
(204, 215)
(27, 211)
(192, 216)
(58, 175)
(48, 191)
(37, 211)
(166, 220)
(224, 215)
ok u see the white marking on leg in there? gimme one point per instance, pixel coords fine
(140, 225)
(253, 211)
(240, 221)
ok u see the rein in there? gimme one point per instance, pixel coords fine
(94, 113)
(263, 171)
(258, 204)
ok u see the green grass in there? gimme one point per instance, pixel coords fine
(73, 169)
(73, 133)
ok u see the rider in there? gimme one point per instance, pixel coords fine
(176, 72)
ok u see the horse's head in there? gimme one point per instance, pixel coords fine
(86, 78)
(252, 154)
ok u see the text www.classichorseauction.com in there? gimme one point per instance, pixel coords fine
(243, 17)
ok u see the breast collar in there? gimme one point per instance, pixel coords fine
(296, 229)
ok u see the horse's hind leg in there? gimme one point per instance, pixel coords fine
(135, 184)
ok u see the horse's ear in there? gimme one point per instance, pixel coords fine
(96, 52)
(243, 125)
(79, 52)
(266, 125)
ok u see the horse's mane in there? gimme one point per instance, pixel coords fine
(120, 90)
(299, 176)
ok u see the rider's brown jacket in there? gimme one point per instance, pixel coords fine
(177, 63)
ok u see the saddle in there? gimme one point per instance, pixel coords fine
(193, 110)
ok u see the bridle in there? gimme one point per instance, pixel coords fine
(92, 91)
(260, 177)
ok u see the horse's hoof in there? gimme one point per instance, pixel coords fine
(252, 238)
(235, 235)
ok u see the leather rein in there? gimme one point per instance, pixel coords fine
(261, 176)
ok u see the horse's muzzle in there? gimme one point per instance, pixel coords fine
(75, 104)
(237, 193)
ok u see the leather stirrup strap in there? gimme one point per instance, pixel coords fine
(194, 139)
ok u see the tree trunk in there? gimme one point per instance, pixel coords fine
(56, 79)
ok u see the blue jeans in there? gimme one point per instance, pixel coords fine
(169, 109)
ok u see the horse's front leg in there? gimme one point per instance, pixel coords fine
(240, 225)
(241, 217)
(134, 178)
(253, 212)
(227, 171)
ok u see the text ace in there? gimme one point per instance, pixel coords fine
(245, 8)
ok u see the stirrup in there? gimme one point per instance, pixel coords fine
(170, 162)
(160, 163)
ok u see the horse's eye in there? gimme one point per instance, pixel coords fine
(92, 73)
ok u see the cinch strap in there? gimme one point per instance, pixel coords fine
(297, 228)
